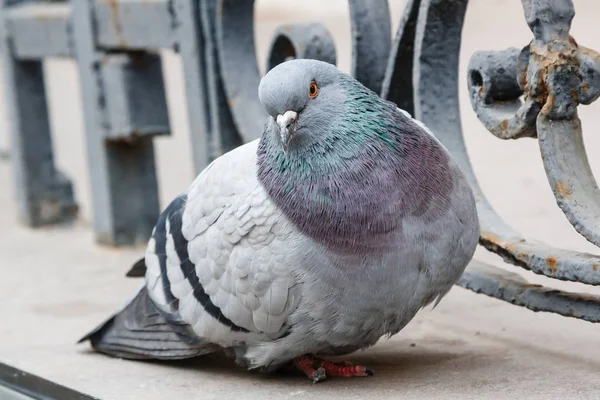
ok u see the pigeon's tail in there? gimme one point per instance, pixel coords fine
(141, 331)
(138, 270)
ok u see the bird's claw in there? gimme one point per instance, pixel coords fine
(318, 375)
(308, 363)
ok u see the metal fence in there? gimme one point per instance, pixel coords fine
(520, 92)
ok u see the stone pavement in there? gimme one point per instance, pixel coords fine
(56, 284)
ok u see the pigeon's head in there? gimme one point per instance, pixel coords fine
(304, 99)
(342, 163)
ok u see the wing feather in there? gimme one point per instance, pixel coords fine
(228, 251)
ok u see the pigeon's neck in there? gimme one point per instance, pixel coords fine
(353, 193)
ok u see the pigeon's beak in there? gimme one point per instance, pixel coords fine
(287, 127)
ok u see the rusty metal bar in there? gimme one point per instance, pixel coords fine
(135, 24)
(495, 95)
(554, 75)
(511, 287)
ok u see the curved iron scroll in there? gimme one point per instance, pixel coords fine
(534, 92)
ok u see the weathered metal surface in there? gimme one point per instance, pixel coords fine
(223, 133)
(553, 74)
(398, 80)
(135, 24)
(43, 193)
(511, 287)
(495, 95)
(565, 75)
(301, 41)
(122, 172)
(134, 95)
(371, 41)
(39, 30)
(42, 29)
(543, 259)
(238, 65)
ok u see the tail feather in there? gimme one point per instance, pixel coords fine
(138, 270)
(141, 331)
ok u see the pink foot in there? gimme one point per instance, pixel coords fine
(317, 369)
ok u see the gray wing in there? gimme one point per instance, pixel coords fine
(222, 260)
(217, 268)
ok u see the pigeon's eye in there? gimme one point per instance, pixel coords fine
(313, 90)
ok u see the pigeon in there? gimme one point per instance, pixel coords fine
(332, 230)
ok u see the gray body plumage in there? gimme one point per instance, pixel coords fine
(320, 247)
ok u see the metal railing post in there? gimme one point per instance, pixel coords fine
(44, 194)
